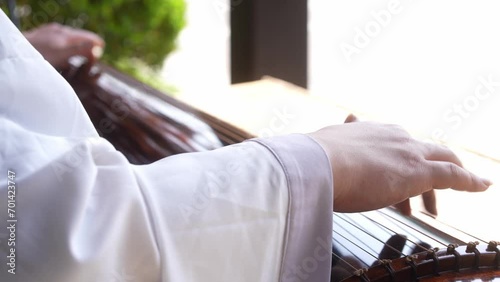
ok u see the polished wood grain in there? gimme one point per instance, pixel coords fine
(143, 123)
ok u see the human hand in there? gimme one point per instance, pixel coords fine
(429, 197)
(377, 165)
(57, 43)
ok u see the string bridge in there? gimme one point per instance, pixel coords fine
(493, 247)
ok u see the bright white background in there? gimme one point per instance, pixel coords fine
(413, 71)
(200, 65)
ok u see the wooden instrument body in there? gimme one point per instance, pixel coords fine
(143, 123)
(478, 262)
(147, 125)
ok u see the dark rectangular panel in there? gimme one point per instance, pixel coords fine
(269, 37)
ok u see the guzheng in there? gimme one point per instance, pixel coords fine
(146, 125)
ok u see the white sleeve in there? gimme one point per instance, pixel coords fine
(255, 211)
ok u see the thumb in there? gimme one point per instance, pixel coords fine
(86, 49)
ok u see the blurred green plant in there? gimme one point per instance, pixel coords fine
(139, 34)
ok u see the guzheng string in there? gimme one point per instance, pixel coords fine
(360, 241)
(343, 268)
(367, 247)
(373, 236)
(353, 268)
(414, 229)
(452, 227)
(354, 222)
(341, 231)
(407, 225)
(355, 244)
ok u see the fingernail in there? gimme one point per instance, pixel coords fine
(486, 182)
(97, 52)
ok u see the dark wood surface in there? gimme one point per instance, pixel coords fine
(142, 122)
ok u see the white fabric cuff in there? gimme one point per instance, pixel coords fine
(307, 250)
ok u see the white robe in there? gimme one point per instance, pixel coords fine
(257, 211)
